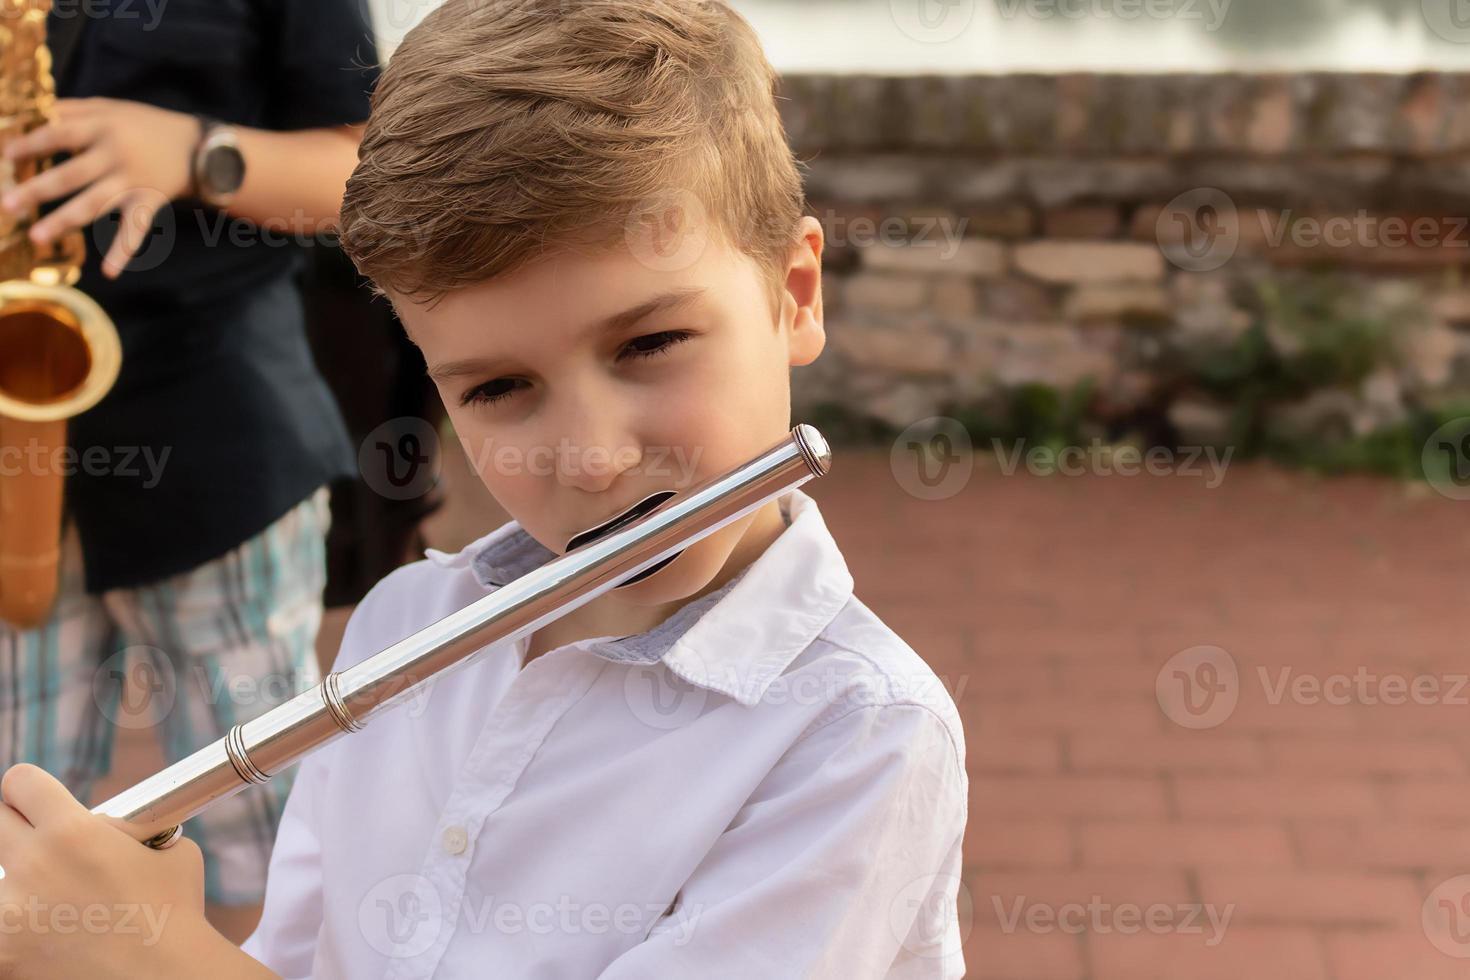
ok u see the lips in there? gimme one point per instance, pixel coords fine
(643, 507)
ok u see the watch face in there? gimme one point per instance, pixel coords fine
(224, 169)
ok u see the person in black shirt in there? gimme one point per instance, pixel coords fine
(203, 141)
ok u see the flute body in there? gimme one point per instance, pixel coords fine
(254, 751)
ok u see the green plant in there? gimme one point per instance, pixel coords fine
(1308, 332)
(1396, 451)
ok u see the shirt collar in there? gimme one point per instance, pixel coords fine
(735, 640)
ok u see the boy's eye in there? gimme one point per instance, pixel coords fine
(656, 343)
(490, 391)
(649, 345)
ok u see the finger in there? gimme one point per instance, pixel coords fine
(187, 863)
(68, 135)
(57, 182)
(14, 833)
(80, 211)
(37, 795)
(75, 108)
(186, 856)
(137, 222)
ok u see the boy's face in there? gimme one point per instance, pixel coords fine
(570, 416)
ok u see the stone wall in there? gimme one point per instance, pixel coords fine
(987, 232)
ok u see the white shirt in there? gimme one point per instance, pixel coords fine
(770, 783)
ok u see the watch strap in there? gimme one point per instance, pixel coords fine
(196, 162)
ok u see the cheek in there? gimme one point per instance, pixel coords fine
(505, 470)
(735, 418)
(721, 410)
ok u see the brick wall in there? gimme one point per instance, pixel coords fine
(989, 231)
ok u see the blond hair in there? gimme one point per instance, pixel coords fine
(504, 129)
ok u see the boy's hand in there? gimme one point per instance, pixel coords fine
(80, 898)
(126, 156)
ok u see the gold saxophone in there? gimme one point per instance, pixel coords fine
(59, 352)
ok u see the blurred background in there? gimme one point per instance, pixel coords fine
(1148, 369)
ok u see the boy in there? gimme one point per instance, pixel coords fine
(589, 220)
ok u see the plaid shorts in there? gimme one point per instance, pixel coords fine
(192, 655)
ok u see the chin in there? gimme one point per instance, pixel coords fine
(687, 574)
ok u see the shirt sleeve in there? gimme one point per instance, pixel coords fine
(845, 864)
(326, 63)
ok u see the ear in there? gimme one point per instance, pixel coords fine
(804, 292)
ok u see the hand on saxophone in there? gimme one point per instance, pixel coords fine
(80, 898)
(126, 156)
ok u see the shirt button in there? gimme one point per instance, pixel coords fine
(455, 840)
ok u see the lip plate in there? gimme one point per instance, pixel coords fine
(643, 507)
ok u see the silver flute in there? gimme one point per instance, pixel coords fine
(615, 553)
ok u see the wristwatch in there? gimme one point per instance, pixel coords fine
(219, 166)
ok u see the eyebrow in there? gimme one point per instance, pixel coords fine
(674, 299)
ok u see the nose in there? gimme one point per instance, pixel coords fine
(594, 446)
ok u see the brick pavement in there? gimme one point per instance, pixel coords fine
(1319, 816)
(1317, 808)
